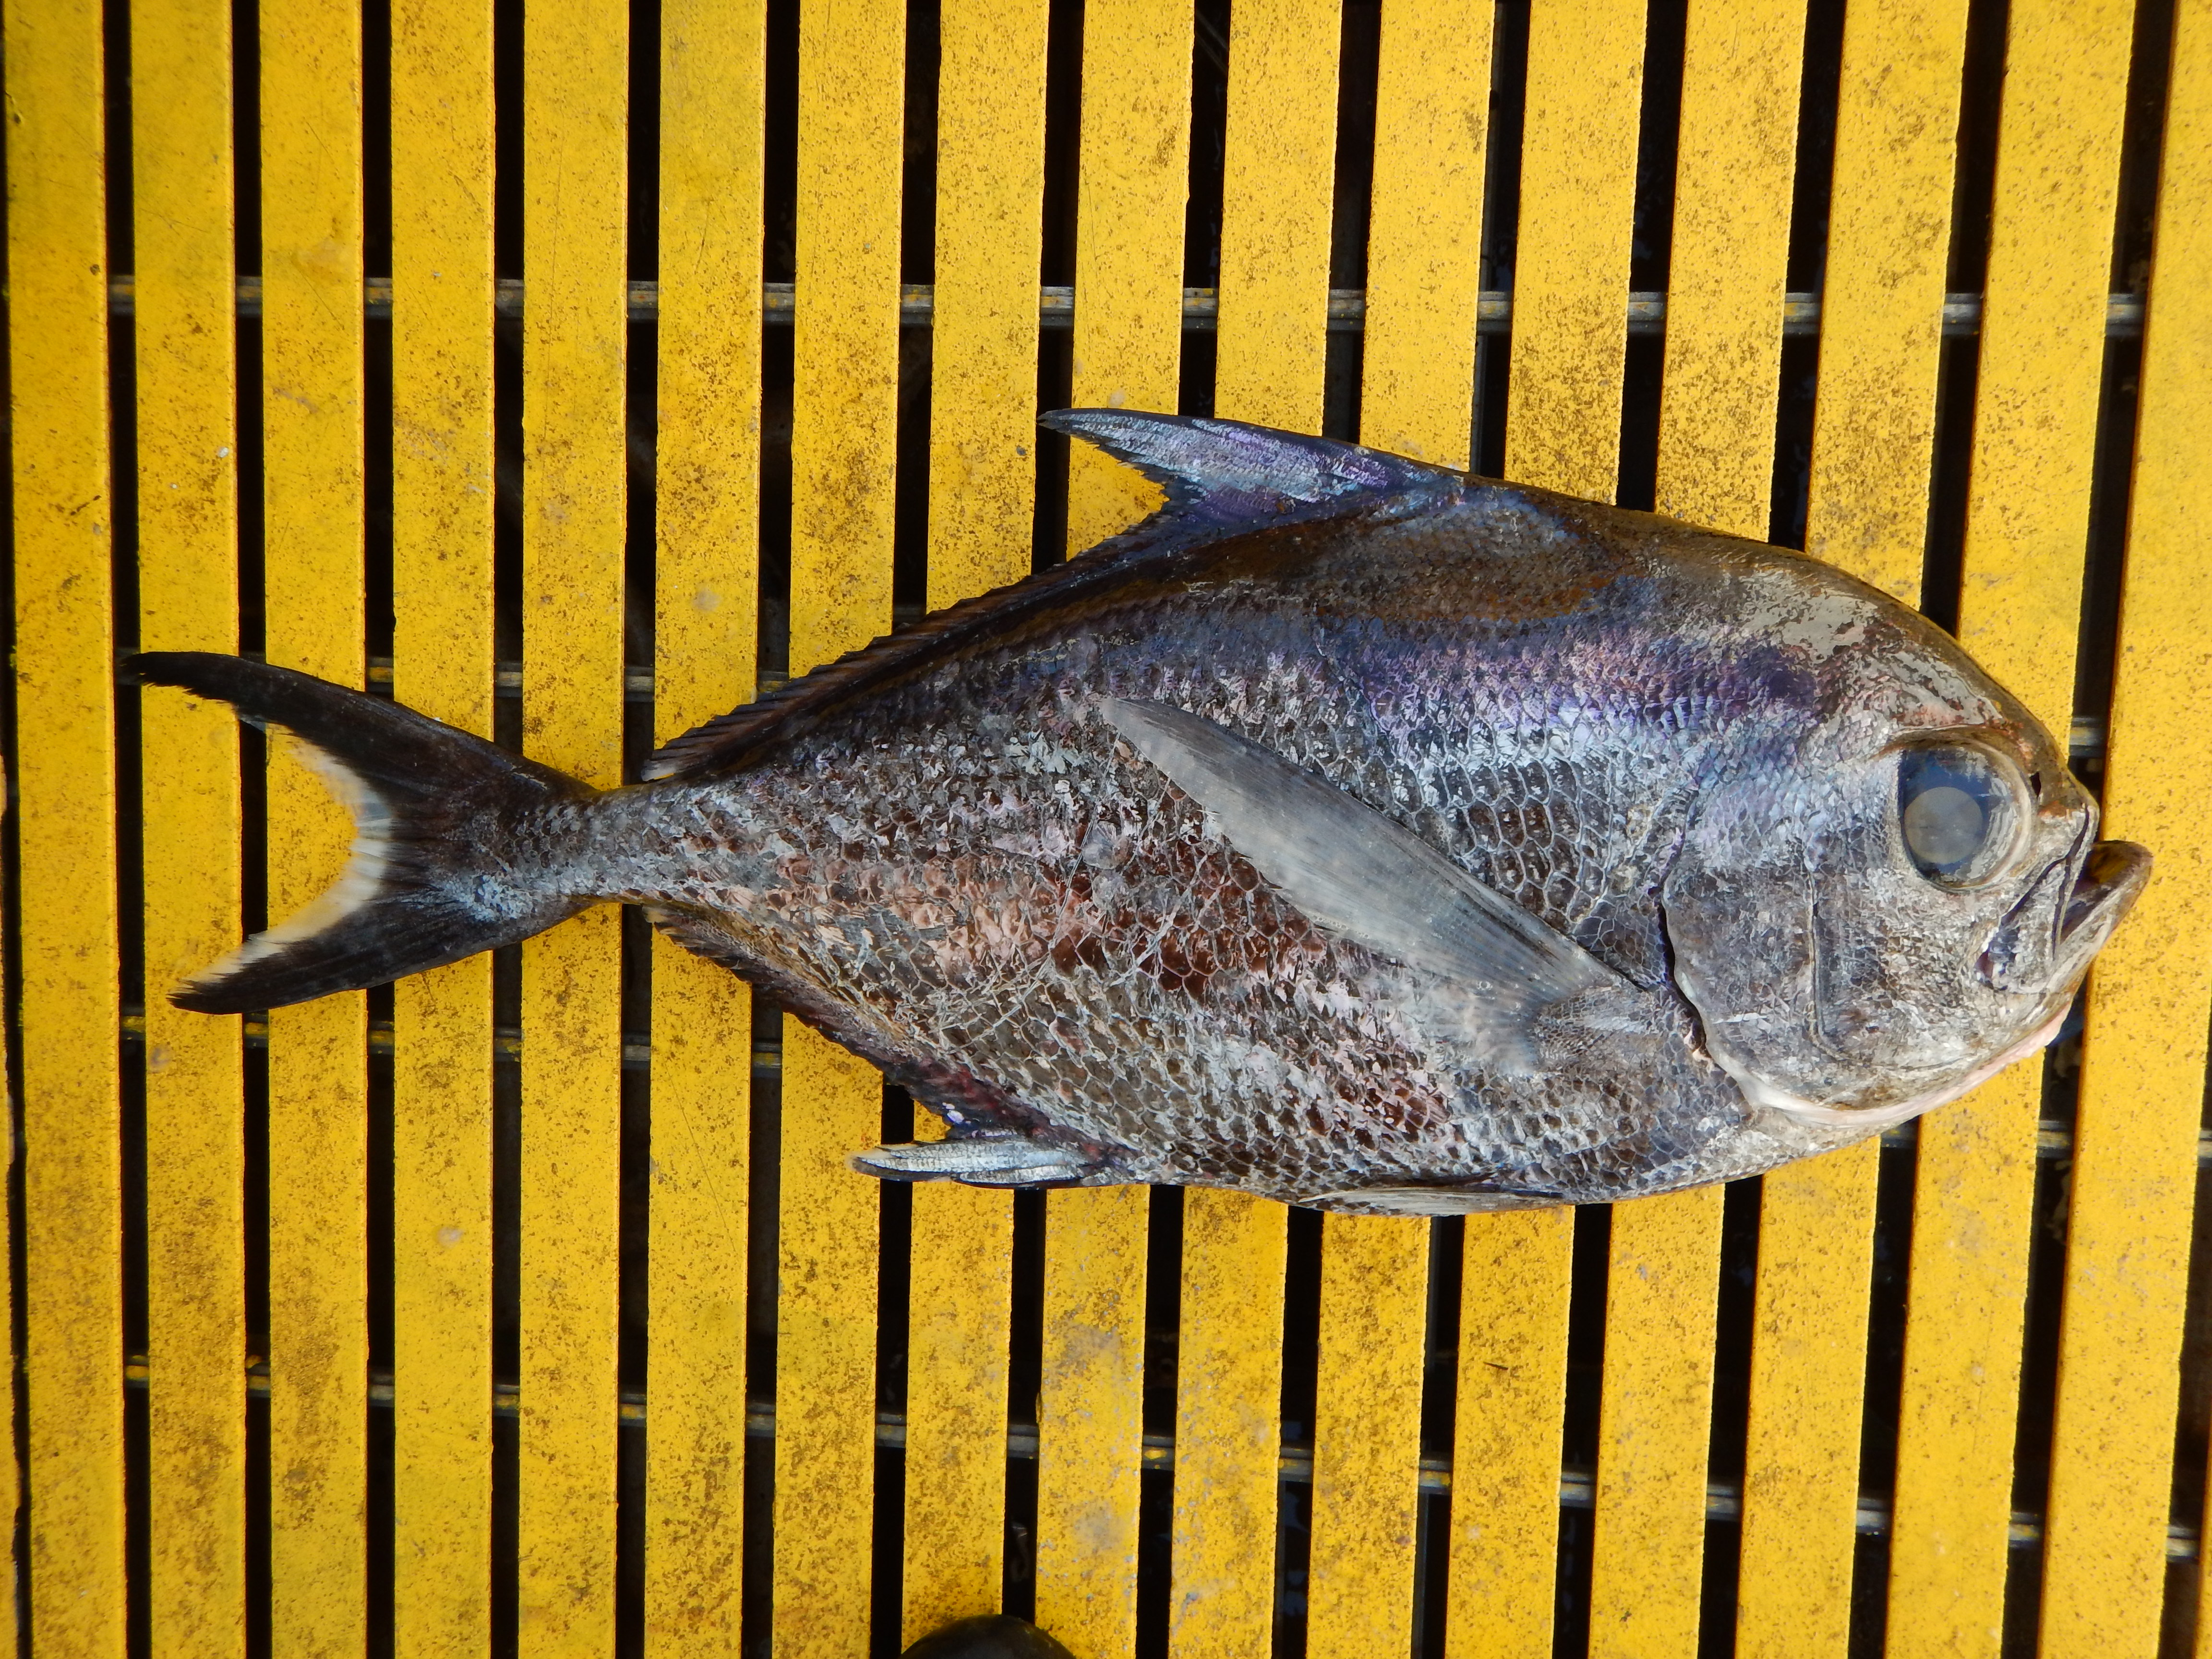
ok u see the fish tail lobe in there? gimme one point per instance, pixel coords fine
(456, 842)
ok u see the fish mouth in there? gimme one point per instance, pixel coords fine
(2047, 941)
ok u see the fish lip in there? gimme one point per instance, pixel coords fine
(2112, 875)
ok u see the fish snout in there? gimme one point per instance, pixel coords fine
(2112, 878)
(2047, 941)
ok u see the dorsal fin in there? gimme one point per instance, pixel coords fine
(1222, 478)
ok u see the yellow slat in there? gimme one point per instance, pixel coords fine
(65, 757)
(1091, 1418)
(1661, 1287)
(825, 1405)
(1135, 177)
(12, 1472)
(187, 384)
(1889, 229)
(844, 427)
(1735, 163)
(1424, 276)
(1277, 185)
(2143, 1053)
(1367, 1434)
(311, 481)
(1229, 1383)
(708, 509)
(1279, 160)
(1425, 230)
(1127, 349)
(990, 187)
(575, 67)
(442, 556)
(1577, 196)
(2028, 516)
(1731, 243)
(1517, 1270)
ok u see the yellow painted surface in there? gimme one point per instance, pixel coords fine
(1808, 1387)
(1279, 178)
(1091, 1418)
(1570, 275)
(1889, 231)
(1662, 1289)
(1516, 1269)
(825, 1402)
(845, 326)
(65, 753)
(443, 484)
(2027, 516)
(1229, 1385)
(187, 384)
(2142, 1062)
(1733, 172)
(1873, 424)
(575, 64)
(1367, 1434)
(1425, 230)
(844, 427)
(311, 483)
(1130, 200)
(983, 460)
(707, 511)
(12, 1472)
(990, 204)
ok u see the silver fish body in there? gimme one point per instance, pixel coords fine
(1359, 835)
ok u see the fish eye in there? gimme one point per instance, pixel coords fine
(1957, 812)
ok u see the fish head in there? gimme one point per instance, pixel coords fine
(1893, 888)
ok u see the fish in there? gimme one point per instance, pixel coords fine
(1352, 832)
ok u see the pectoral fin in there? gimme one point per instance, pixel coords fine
(1355, 874)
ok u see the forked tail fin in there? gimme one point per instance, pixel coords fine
(454, 848)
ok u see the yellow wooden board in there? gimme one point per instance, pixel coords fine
(442, 559)
(64, 758)
(575, 70)
(713, 72)
(2143, 1052)
(2027, 520)
(1881, 319)
(845, 324)
(186, 366)
(313, 477)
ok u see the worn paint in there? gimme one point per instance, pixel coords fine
(1889, 229)
(186, 355)
(1131, 190)
(1515, 1273)
(2143, 1052)
(1730, 248)
(441, 557)
(1578, 209)
(575, 72)
(712, 75)
(1425, 230)
(844, 461)
(65, 757)
(2027, 518)
(313, 479)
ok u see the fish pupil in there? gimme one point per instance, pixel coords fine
(1944, 825)
(1948, 802)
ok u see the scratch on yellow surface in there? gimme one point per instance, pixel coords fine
(2027, 518)
(1515, 1273)
(1578, 200)
(1229, 1385)
(1279, 176)
(2143, 1052)
(66, 755)
(313, 479)
(184, 335)
(441, 553)
(575, 70)
(707, 508)
(1425, 230)
(1135, 177)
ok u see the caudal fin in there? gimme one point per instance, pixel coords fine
(443, 824)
